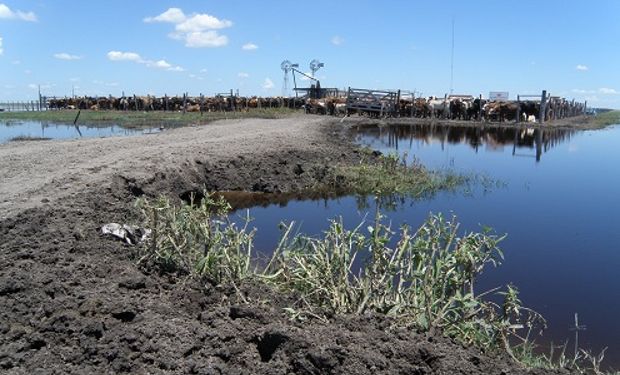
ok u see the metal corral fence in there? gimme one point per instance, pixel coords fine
(23, 105)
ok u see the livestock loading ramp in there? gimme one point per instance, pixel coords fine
(375, 102)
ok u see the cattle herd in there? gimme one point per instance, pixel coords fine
(465, 108)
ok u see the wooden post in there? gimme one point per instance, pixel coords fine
(202, 103)
(518, 109)
(543, 107)
(184, 101)
(445, 104)
(412, 103)
(166, 102)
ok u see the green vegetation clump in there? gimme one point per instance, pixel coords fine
(140, 119)
(391, 175)
(195, 240)
(424, 279)
(607, 118)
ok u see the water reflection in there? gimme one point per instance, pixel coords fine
(10, 129)
(560, 215)
(541, 140)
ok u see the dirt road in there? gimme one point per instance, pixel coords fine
(47, 172)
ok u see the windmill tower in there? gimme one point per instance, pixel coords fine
(315, 65)
(286, 66)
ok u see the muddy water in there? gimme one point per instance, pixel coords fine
(38, 129)
(559, 207)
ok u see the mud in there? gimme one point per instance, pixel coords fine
(74, 302)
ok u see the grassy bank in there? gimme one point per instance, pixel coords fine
(607, 118)
(421, 278)
(140, 119)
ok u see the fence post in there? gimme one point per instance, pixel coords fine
(518, 109)
(543, 107)
(184, 101)
(202, 103)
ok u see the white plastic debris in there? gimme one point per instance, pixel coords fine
(131, 234)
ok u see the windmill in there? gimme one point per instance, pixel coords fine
(315, 65)
(286, 66)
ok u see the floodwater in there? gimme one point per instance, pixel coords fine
(559, 206)
(10, 129)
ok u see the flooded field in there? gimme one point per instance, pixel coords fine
(558, 204)
(11, 129)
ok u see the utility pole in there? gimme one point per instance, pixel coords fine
(452, 61)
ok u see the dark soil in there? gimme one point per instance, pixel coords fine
(75, 302)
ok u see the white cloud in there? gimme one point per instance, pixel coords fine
(202, 22)
(132, 56)
(124, 56)
(268, 84)
(198, 30)
(7, 13)
(196, 77)
(1, 50)
(34, 86)
(109, 84)
(172, 15)
(243, 75)
(581, 91)
(602, 91)
(203, 70)
(66, 56)
(199, 39)
(337, 40)
(162, 64)
(582, 68)
(249, 47)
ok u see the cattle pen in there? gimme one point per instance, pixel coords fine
(371, 103)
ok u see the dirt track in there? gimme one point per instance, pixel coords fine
(73, 302)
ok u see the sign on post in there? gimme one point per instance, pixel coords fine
(498, 95)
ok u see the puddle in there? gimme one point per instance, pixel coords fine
(37, 129)
(559, 208)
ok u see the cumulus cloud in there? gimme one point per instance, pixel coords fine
(198, 30)
(7, 13)
(268, 84)
(172, 15)
(67, 56)
(201, 22)
(607, 91)
(199, 39)
(124, 56)
(134, 57)
(337, 40)
(243, 75)
(582, 68)
(249, 47)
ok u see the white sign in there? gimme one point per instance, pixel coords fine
(498, 95)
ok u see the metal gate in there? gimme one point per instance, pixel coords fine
(373, 101)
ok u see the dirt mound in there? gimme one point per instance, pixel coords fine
(74, 302)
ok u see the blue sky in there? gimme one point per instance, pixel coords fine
(570, 48)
